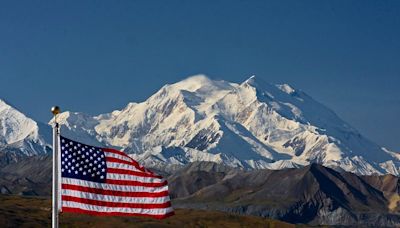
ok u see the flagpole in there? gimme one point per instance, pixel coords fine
(56, 135)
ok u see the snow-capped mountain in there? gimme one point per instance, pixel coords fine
(252, 125)
(20, 135)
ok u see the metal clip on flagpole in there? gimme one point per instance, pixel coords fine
(56, 135)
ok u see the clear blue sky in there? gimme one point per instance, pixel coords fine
(96, 56)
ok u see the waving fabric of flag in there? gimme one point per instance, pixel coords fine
(102, 181)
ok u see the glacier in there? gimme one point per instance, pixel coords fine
(20, 135)
(251, 125)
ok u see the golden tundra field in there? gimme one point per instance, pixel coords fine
(17, 211)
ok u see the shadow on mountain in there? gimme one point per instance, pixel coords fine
(310, 195)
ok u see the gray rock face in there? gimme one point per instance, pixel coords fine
(30, 176)
(312, 195)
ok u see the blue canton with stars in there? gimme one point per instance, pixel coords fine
(82, 161)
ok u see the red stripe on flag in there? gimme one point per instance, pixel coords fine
(116, 204)
(116, 152)
(117, 160)
(136, 183)
(133, 162)
(130, 172)
(97, 213)
(112, 192)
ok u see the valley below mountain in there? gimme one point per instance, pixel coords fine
(20, 211)
(311, 195)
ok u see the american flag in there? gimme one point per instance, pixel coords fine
(102, 181)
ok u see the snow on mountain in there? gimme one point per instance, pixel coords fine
(251, 125)
(20, 135)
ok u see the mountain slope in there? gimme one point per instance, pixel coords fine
(253, 125)
(312, 194)
(21, 136)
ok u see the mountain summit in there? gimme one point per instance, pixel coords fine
(252, 125)
(20, 136)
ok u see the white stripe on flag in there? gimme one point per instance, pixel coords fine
(114, 155)
(115, 176)
(121, 199)
(113, 187)
(155, 211)
(117, 165)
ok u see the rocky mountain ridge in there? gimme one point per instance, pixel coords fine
(251, 125)
(313, 194)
